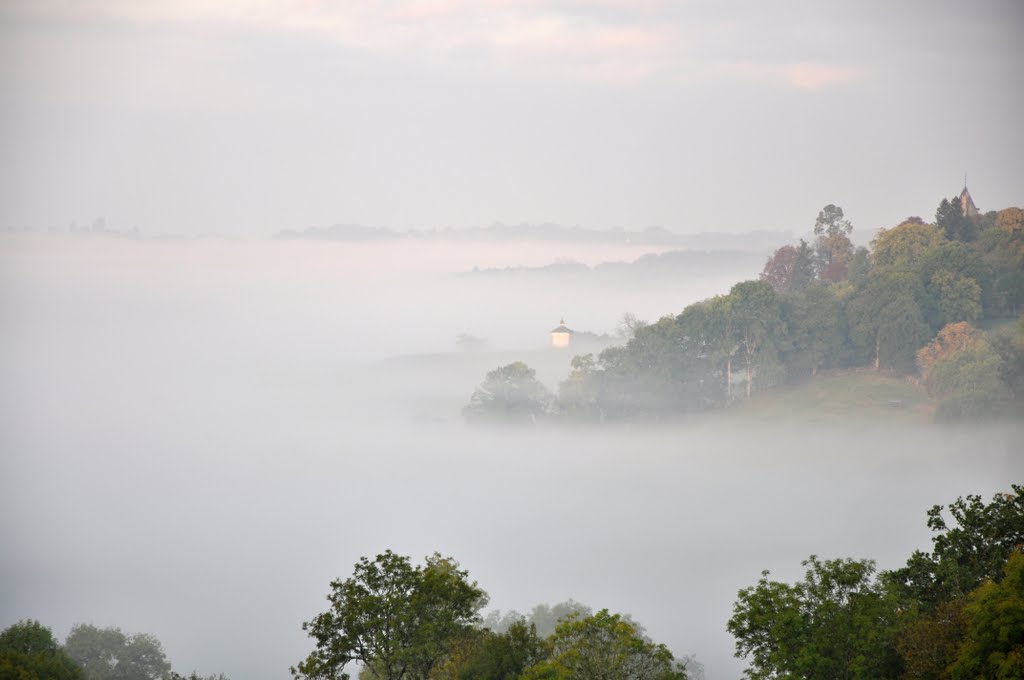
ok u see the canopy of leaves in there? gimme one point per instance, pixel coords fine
(993, 645)
(109, 654)
(790, 269)
(836, 623)
(29, 651)
(967, 551)
(903, 247)
(604, 646)
(509, 393)
(398, 618)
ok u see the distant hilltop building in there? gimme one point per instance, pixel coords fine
(561, 336)
(967, 207)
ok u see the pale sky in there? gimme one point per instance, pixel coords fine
(244, 117)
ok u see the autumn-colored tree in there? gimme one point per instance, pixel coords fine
(953, 338)
(790, 269)
(832, 247)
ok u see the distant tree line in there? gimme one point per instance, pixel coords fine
(29, 651)
(955, 613)
(911, 305)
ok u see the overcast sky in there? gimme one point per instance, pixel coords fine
(248, 116)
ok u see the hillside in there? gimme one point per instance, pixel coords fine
(834, 396)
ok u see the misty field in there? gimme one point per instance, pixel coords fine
(195, 443)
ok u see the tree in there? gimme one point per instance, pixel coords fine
(954, 224)
(487, 655)
(818, 333)
(832, 246)
(509, 394)
(967, 551)
(994, 638)
(904, 246)
(29, 651)
(928, 641)
(956, 297)
(953, 338)
(886, 321)
(836, 623)
(830, 221)
(790, 269)
(400, 619)
(760, 331)
(109, 654)
(604, 646)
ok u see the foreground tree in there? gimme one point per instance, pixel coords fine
(836, 623)
(110, 654)
(509, 393)
(29, 651)
(965, 552)
(994, 616)
(487, 655)
(399, 619)
(604, 646)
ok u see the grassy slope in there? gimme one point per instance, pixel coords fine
(834, 396)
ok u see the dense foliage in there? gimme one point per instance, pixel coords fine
(957, 612)
(29, 651)
(825, 305)
(406, 622)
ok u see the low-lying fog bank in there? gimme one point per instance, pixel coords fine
(195, 442)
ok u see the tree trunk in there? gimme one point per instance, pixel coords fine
(728, 380)
(750, 379)
(878, 344)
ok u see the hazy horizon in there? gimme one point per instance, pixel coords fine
(245, 118)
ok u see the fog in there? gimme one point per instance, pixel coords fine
(197, 436)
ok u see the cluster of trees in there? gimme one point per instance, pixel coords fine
(956, 613)
(816, 306)
(29, 651)
(401, 621)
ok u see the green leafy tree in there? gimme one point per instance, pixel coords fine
(956, 298)
(904, 246)
(29, 651)
(954, 224)
(710, 335)
(928, 641)
(965, 552)
(488, 655)
(818, 328)
(110, 654)
(837, 623)
(886, 321)
(604, 646)
(402, 620)
(1008, 343)
(760, 330)
(994, 641)
(509, 393)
